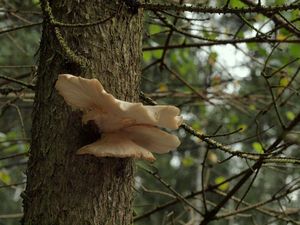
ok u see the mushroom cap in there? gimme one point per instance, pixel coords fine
(80, 92)
(128, 129)
(152, 138)
(109, 113)
(116, 145)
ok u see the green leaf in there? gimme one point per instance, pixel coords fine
(188, 161)
(290, 115)
(163, 87)
(243, 127)
(212, 157)
(236, 3)
(252, 46)
(284, 81)
(4, 177)
(234, 119)
(35, 2)
(252, 107)
(183, 69)
(294, 50)
(212, 58)
(257, 147)
(147, 56)
(280, 2)
(224, 186)
(175, 59)
(157, 53)
(153, 29)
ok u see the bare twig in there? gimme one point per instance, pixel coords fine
(30, 86)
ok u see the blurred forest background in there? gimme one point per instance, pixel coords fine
(233, 70)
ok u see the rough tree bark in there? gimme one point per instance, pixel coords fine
(62, 187)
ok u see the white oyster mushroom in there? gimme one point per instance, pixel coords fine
(128, 129)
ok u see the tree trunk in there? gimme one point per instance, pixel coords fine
(62, 187)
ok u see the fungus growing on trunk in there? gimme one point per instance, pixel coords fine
(128, 129)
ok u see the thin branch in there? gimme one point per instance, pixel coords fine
(168, 186)
(188, 196)
(20, 118)
(12, 185)
(146, 190)
(266, 157)
(257, 206)
(203, 178)
(226, 10)
(20, 27)
(11, 216)
(222, 42)
(248, 188)
(30, 86)
(276, 19)
(14, 156)
(74, 25)
(16, 66)
(201, 95)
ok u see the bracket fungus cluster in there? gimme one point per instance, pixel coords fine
(127, 129)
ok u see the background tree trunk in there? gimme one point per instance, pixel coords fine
(62, 187)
